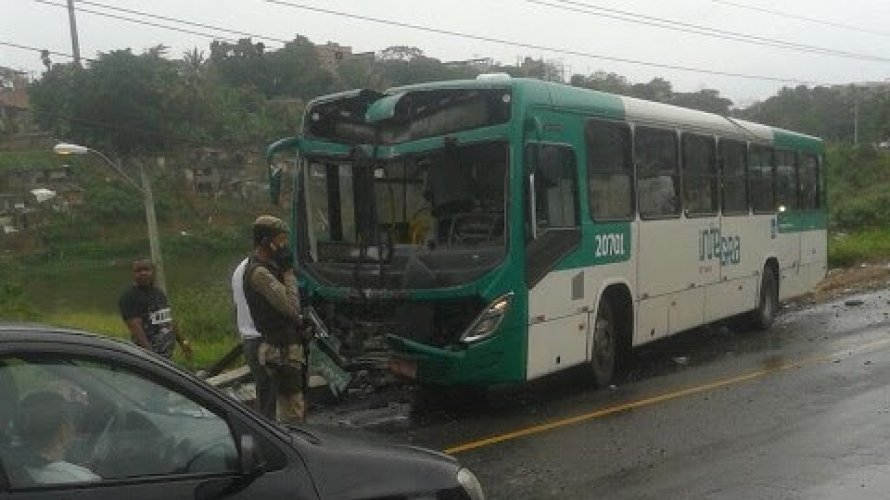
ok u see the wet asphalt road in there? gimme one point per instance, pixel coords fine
(799, 411)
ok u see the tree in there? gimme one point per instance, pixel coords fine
(295, 71)
(120, 103)
(602, 81)
(703, 100)
(239, 64)
(658, 89)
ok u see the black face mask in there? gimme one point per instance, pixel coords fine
(283, 257)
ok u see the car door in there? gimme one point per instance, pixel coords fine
(135, 431)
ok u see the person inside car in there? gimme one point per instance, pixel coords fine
(45, 428)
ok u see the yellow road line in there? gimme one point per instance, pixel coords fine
(537, 429)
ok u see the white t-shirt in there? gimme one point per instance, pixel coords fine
(245, 322)
(61, 472)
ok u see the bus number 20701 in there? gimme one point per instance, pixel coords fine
(608, 245)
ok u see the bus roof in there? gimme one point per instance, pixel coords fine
(533, 92)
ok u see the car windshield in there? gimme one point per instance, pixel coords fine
(442, 211)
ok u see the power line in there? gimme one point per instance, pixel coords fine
(183, 21)
(430, 30)
(532, 46)
(38, 49)
(803, 18)
(669, 24)
(139, 21)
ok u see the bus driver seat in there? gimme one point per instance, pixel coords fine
(449, 190)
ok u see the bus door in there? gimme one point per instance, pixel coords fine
(558, 304)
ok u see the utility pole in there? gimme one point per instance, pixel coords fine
(75, 45)
(855, 116)
(154, 243)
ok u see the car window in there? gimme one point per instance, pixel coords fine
(80, 420)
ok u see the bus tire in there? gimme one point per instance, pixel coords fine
(604, 344)
(763, 316)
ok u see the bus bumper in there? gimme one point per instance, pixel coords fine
(428, 365)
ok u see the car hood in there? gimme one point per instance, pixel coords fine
(345, 466)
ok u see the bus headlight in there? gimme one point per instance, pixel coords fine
(488, 320)
(470, 484)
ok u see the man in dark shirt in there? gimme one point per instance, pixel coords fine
(145, 311)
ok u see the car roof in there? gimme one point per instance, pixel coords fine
(17, 333)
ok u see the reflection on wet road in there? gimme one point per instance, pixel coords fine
(799, 411)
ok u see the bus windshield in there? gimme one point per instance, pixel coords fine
(422, 221)
(407, 116)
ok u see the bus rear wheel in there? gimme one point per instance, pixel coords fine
(763, 316)
(604, 345)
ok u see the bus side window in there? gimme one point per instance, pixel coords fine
(699, 175)
(735, 183)
(786, 180)
(761, 176)
(810, 195)
(609, 170)
(556, 187)
(658, 172)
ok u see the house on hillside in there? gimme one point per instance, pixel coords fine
(14, 104)
(480, 65)
(15, 213)
(219, 173)
(331, 55)
(20, 206)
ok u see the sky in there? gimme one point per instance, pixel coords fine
(584, 38)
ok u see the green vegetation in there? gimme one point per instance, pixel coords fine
(82, 293)
(845, 250)
(206, 350)
(859, 203)
(14, 304)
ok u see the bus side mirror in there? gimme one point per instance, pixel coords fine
(277, 159)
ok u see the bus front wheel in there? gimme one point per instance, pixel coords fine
(604, 349)
(768, 302)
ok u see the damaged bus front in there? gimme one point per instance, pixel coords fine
(404, 207)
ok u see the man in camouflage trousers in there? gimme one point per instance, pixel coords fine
(270, 289)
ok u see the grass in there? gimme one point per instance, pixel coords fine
(871, 245)
(82, 293)
(206, 350)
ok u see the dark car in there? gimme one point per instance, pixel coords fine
(82, 416)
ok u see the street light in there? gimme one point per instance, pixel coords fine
(144, 189)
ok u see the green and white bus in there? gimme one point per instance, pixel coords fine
(497, 230)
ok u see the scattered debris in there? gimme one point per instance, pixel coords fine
(853, 302)
(681, 360)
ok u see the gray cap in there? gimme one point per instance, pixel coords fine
(268, 226)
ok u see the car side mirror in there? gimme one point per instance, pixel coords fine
(251, 462)
(250, 467)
